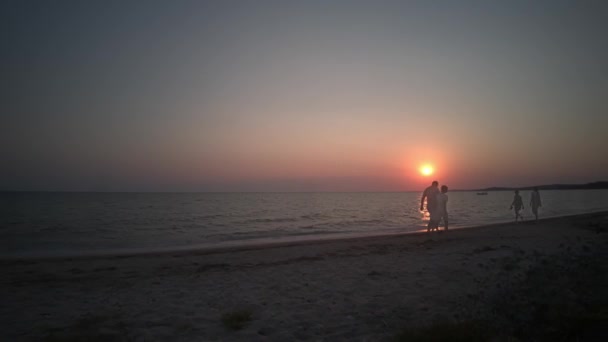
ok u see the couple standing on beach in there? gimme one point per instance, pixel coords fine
(436, 205)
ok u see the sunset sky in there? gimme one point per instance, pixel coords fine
(301, 95)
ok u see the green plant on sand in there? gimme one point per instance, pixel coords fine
(236, 320)
(468, 331)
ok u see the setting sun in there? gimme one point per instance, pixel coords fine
(426, 170)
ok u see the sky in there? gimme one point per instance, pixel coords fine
(301, 95)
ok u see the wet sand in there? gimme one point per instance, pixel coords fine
(366, 288)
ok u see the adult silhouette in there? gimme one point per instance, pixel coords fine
(430, 194)
(517, 205)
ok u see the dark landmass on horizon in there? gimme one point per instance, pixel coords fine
(587, 186)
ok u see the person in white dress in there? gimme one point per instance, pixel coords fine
(442, 207)
(535, 202)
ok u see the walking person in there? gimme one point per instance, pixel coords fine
(535, 202)
(517, 205)
(430, 194)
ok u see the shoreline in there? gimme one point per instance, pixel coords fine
(372, 288)
(260, 243)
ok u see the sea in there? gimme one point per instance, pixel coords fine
(46, 224)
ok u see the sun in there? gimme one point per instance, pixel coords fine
(426, 170)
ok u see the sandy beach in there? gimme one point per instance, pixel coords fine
(521, 281)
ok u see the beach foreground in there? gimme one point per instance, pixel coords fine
(524, 281)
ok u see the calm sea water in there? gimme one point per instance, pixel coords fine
(48, 223)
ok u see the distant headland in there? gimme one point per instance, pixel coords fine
(588, 186)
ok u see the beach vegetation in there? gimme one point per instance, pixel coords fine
(466, 331)
(483, 249)
(559, 299)
(236, 320)
(90, 327)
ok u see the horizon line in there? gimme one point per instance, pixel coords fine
(491, 188)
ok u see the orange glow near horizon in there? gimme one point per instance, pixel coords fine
(426, 170)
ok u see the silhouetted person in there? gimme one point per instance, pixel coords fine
(430, 194)
(517, 205)
(442, 207)
(535, 202)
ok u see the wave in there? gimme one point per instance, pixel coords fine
(269, 220)
(358, 222)
(314, 216)
(212, 216)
